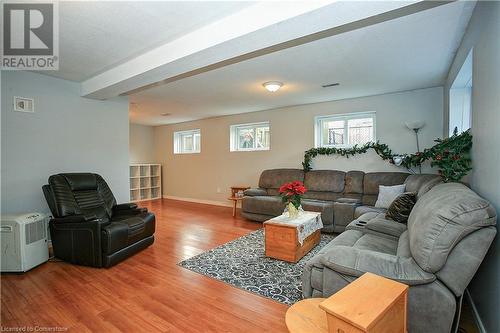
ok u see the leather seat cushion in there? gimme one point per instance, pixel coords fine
(124, 231)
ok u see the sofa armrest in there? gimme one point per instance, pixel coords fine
(254, 192)
(125, 206)
(391, 228)
(343, 213)
(355, 262)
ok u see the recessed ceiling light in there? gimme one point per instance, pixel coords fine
(273, 86)
(166, 114)
(331, 85)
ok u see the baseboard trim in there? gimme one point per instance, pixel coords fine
(475, 313)
(200, 201)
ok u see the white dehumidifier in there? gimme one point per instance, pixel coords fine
(24, 241)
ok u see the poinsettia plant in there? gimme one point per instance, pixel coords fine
(291, 193)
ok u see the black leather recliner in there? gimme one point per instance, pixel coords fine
(88, 227)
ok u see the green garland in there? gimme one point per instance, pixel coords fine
(451, 155)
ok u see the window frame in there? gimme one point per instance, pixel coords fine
(318, 128)
(234, 141)
(178, 145)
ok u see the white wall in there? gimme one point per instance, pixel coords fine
(198, 176)
(66, 133)
(483, 36)
(141, 144)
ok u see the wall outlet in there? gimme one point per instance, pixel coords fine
(218, 190)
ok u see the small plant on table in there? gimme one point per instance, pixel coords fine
(291, 195)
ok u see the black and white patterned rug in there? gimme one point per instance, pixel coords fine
(242, 263)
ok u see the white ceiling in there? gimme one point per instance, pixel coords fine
(407, 53)
(96, 35)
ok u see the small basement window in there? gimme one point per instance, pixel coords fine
(249, 137)
(345, 130)
(187, 142)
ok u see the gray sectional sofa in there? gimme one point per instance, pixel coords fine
(339, 196)
(437, 253)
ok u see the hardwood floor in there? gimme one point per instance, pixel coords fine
(147, 292)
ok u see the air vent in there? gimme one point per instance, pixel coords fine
(35, 231)
(330, 85)
(23, 104)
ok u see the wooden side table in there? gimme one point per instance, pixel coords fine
(370, 304)
(306, 316)
(235, 197)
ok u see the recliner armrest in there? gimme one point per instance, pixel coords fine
(391, 228)
(254, 192)
(77, 219)
(125, 206)
(128, 209)
(355, 262)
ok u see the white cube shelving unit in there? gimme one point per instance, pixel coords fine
(145, 182)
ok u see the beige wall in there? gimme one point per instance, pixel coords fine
(141, 144)
(483, 36)
(66, 133)
(201, 176)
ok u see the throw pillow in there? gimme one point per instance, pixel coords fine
(401, 208)
(387, 194)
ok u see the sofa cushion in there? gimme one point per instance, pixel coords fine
(126, 230)
(387, 194)
(401, 207)
(427, 186)
(274, 178)
(441, 218)
(81, 181)
(422, 183)
(361, 210)
(266, 205)
(373, 180)
(325, 181)
(326, 196)
(354, 183)
(404, 245)
(352, 261)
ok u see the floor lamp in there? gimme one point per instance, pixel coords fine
(415, 126)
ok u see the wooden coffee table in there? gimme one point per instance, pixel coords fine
(282, 237)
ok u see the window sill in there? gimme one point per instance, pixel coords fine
(247, 150)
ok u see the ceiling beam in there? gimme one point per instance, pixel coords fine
(255, 31)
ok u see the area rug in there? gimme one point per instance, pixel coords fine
(242, 264)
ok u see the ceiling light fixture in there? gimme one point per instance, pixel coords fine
(166, 114)
(331, 85)
(273, 86)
